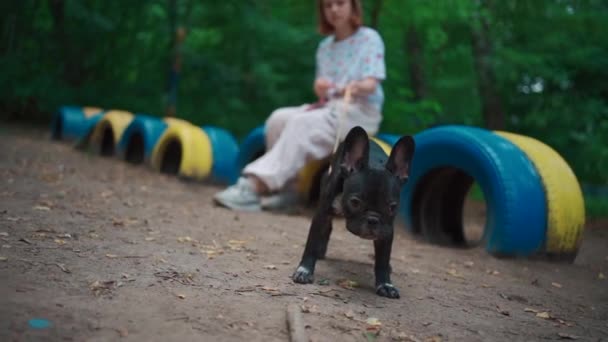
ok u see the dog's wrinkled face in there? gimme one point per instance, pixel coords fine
(370, 200)
(371, 190)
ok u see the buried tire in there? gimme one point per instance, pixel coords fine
(183, 149)
(448, 159)
(252, 147)
(108, 131)
(139, 138)
(72, 123)
(565, 203)
(224, 155)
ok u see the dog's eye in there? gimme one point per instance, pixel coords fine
(392, 207)
(354, 202)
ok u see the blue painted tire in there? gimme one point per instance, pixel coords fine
(139, 138)
(72, 123)
(448, 159)
(252, 147)
(390, 139)
(225, 151)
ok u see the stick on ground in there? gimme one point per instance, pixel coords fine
(295, 324)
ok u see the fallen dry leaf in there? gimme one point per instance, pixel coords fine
(60, 241)
(531, 310)
(270, 289)
(123, 332)
(544, 315)
(185, 239)
(347, 284)
(106, 194)
(349, 314)
(308, 308)
(558, 285)
(181, 296)
(236, 245)
(41, 208)
(101, 287)
(270, 267)
(453, 273)
(433, 339)
(403, 337)
(373, 321)
(565, 336)
(111, 256)
(63, 268)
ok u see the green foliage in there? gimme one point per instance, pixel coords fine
(242, 59)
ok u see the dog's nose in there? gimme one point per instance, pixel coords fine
(373, 221)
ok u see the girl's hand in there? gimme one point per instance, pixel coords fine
(363, 87)
(321, 87)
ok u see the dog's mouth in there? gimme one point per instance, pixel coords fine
(369, 236)
(363, 232)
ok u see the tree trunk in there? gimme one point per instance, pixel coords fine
(174, 61)
(413, 48)
(73, 69)
(375, 15)
(492, 108)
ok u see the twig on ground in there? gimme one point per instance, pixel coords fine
(295, 324)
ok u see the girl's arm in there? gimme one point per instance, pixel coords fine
(363, 87)
(321, 87)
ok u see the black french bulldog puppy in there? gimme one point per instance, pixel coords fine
(369, 184)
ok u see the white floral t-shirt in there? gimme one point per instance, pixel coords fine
(357, 57)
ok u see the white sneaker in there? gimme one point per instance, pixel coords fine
(283, 200)
(241, 196)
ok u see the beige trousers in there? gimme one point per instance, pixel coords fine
(295, 136)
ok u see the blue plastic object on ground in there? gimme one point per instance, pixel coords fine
(39, 323)
(253, 146)
(71, 123)
(139, 138)
(225, 152)
(448, 159)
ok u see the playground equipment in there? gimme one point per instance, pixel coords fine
(527, 213)
(138, 139)
(107, 132)
(200, 153)
(534, 201)
(72, 123)
(565, 203)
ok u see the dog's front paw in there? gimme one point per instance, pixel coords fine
(387, 290)
(302, 276)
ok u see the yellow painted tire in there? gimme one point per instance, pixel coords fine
(565, 203)
(108, 131)
(309, 174)
(183, 149)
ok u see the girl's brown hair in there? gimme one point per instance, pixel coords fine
(356, 20)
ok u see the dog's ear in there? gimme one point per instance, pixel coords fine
(355, 151)
(401, 158)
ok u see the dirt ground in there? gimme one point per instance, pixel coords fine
(107, 251)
